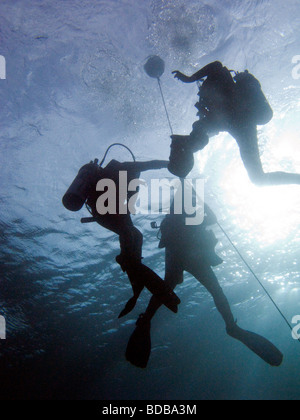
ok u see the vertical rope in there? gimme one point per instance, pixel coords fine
(256, 277)
(164, 102)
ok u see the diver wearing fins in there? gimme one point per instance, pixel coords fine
(227, 104)
(192, 249)
(84, 190)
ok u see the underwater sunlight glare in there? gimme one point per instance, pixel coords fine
(266, 210)
(269, 212)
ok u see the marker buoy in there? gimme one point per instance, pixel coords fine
(155, 67)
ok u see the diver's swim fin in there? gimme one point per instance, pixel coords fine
(141, 276)
(258, 344)
(159, 289)
(130, 305)
(139, 346)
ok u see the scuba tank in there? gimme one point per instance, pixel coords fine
(251, 100)
(85, 182)
(80, 188)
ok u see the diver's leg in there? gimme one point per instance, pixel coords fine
(131, 242)
(140, 275)
(248, 143)
(256, 343)
(199, 138)
(207, 278)
(173, 277)
(183, 148)
(139, 346)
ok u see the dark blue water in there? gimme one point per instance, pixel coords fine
(75, 84)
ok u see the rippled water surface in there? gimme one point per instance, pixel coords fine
(75, 84)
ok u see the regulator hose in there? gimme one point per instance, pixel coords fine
(113, 145)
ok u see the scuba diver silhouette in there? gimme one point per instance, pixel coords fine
(84, 190)
(192, 249)
(232, 104)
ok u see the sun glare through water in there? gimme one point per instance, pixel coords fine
(270, 213)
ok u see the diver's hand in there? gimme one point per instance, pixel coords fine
(180, 76)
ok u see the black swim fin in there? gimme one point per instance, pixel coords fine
(139, 346)
(141, 276)
(258, 344)
(160, 289)
(130, 305)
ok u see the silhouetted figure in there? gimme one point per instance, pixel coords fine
(235, 105)
(84, 189)
(192, 249)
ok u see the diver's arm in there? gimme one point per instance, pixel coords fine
(147, 166)
(204, 72)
